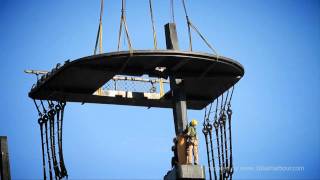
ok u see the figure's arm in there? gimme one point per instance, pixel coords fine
(188, 131)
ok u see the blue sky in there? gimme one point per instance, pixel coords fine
(276, 120)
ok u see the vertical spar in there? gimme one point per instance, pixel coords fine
(4, 159)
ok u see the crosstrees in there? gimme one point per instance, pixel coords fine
(77, 80)
(4, 159)
(196, 80)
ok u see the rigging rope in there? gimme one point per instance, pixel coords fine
(205, 132)
(208, 130)
(222, 119)
(229, 113)
(60, 112)
(222, 146)
(53, 115)
(212, 152)
(48, 149)
(40, 121)
(216, 126)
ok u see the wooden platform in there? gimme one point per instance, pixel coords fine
(205, 77)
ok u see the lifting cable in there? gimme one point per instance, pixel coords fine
(99, 33)
(172, 11)
(191, 25)
(123, 22)
(153, 26)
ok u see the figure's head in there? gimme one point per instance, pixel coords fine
(194, 122)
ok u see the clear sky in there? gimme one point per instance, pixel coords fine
(276, 104)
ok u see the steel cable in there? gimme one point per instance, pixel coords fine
(123, 23)
(155, 44)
